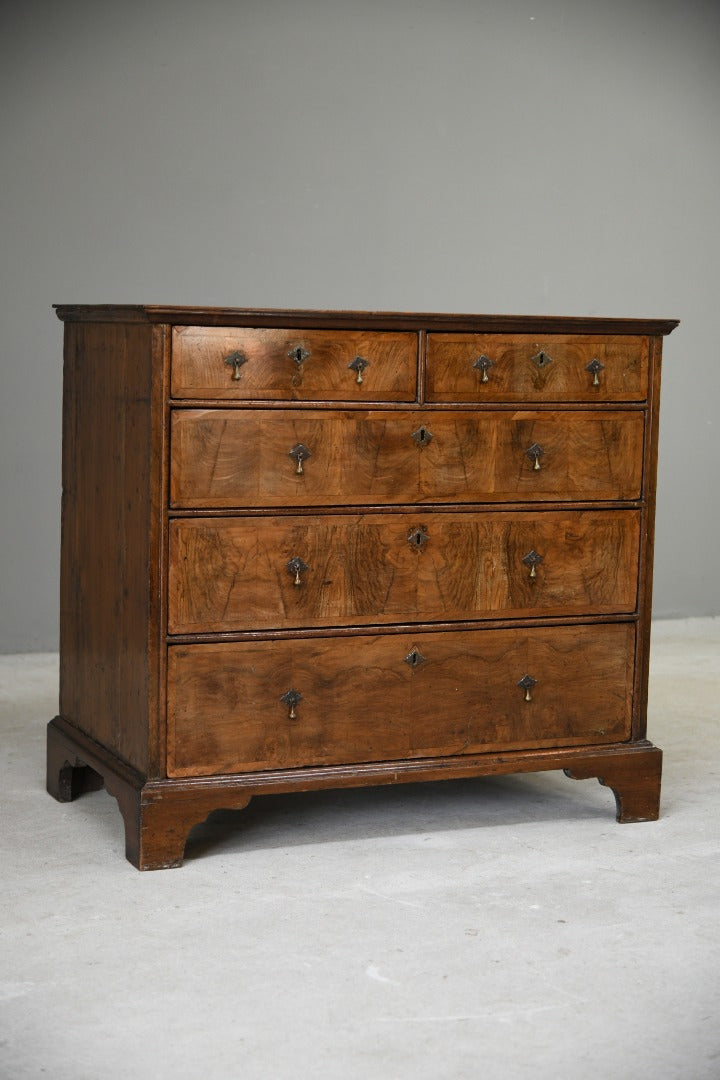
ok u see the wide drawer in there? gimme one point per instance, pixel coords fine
(284, 704)
(297, 365)
(249, 573)
(281, 457)
(503, 367)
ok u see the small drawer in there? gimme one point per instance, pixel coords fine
(563, 367)
(293, 365)
(245, 573)
(247, 706)
(280, 457)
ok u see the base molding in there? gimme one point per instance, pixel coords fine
(158, 814)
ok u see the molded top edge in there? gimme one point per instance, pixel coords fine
(379, 320)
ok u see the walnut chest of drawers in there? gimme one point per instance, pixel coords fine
(315, 549)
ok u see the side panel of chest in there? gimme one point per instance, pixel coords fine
(112, 537)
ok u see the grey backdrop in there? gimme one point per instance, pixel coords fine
(522, 156)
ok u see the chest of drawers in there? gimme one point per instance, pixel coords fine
(318, 549)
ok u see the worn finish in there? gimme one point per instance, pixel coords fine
(159, 815)
(109, 656)
(362, 702)
(228, 457)
(319, 549)
(368, 320)
(333, 366)
(230, 574)
(522, 368)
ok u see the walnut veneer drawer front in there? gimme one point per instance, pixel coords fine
(501, 367)
(242, 573)
(229, 458)
(304, 365)
(315, 701)
(350, 548)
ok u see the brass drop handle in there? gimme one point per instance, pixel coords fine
(296, 566)
(535, 452)
(358, 365)
(595, 367)
(526, 683)
(236, 361)
(299, 454)
(533, 560)
(483, 363)
(291, 699)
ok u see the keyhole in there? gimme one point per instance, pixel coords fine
(418, 537)
(299, 355)
(422, 436)
(542, 359)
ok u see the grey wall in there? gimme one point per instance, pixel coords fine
(523, 156)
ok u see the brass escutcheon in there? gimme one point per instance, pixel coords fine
(541, 359)
(299, 355)
(422, 436)
(418, 537)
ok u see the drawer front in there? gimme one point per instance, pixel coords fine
(245, 706)
(302, 571)
(265, 458)
(501, 367)
(293, 365)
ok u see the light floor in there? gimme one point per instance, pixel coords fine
(496, 928)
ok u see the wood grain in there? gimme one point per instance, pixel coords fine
(635, 781)
(159, 814)
(193, 503)
(232, 573)
(514, 376)
(237, 458)
(110, 540)
(647, 538)
(375, 320)
(199, 367)
(361, 701)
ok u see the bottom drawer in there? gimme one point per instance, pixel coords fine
(286, 703)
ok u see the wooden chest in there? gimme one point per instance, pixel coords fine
(317, 549)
